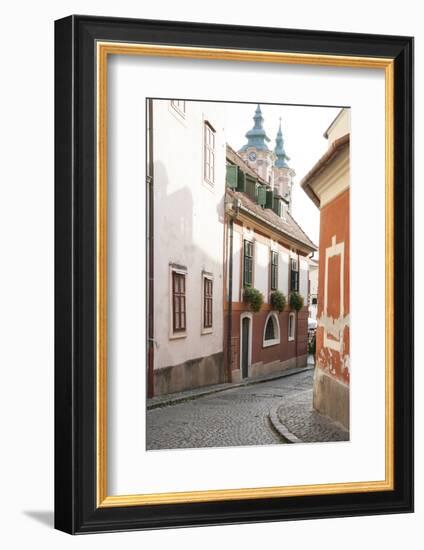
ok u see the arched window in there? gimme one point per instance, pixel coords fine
(271, 330)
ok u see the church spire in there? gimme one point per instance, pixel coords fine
(279, 150)
(256, 137)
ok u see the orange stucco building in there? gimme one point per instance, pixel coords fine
(327, 184)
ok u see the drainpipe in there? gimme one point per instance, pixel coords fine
(150, 227)
(232, 213)
(230, 298)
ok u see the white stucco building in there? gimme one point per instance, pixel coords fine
(313, 288)
(188, 149)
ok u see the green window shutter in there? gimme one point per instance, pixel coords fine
(269, 198)
(274, 270)
(231, 177)
(261, 195)
(241, 180)
(277, 206)
(251, 187)
(247, 263)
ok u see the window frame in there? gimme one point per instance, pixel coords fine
(273, 317)
(251, 261)
(292, 260)
(274, 270)
(175, 104)
(206, 277)
(174, 332)
(291, 337)
(208, 153)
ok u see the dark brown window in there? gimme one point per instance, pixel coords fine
(178, 301)
(274, 270)
(270, 329)
(248, 264)
(294, 275)
(207, 302)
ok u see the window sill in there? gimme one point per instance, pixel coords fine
(177, 335)
(291, 339)
(269, 343)
(207, 330)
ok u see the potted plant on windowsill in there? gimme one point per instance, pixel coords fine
(296, 301)
(254, 298)
(278, 300)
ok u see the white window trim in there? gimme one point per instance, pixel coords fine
(291, 338)
(208, 330)
(274, 341)
(180, 334)
(177, 109)
(177, 113)
(209, 184)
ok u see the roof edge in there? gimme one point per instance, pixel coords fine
(335, 148)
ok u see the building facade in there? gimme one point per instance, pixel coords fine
(188, 152)
(313, 288)
(219, 223)
(327, 184)
(267, 251)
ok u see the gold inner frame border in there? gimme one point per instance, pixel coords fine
(103, 50)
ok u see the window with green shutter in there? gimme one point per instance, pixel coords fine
(274, 270)
(269, 203)
(261, 195)
(241, 180)
(248, 263)
(231, 176)
(294, 275)
(251, 187)
(277, 206)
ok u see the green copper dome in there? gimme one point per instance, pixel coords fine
(279, 150)
(256, 137)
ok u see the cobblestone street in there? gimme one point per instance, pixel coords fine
(238, 416)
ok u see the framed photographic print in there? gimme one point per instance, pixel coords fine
(234, 274)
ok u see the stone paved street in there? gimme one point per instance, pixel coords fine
(232, 417)
(298, 417)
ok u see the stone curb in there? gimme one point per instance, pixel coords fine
(280, 428)
(216, 389)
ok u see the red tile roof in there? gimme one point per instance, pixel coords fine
(269, 219)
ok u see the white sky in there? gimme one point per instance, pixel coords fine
(303, 129)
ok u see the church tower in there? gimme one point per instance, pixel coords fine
(256, 152)
(283, 174)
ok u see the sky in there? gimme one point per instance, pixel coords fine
(304, 142)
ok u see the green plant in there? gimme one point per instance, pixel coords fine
(278, 300)
(296, 301)
(253, 297)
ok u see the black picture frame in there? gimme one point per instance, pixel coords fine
(76, 509)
